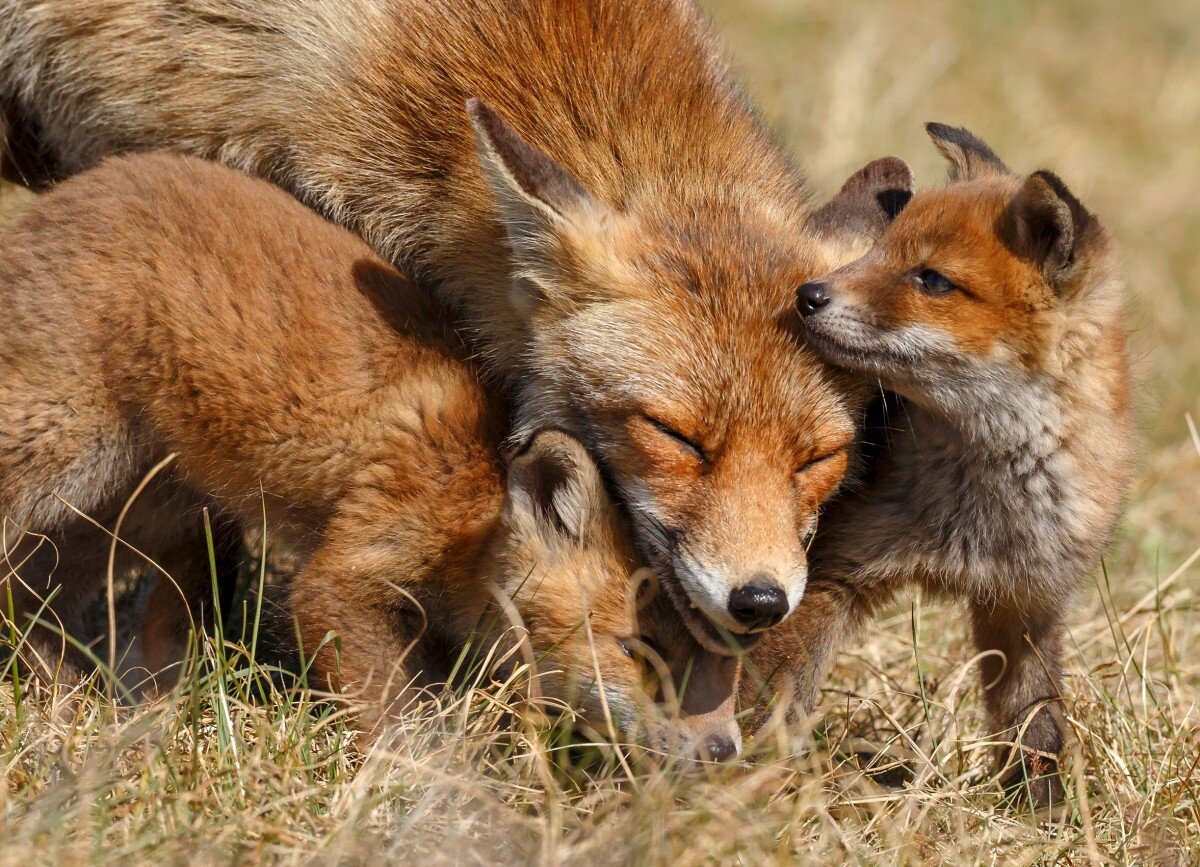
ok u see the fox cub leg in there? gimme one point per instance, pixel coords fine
(793, 659)
(1021, 682)
(182, 600)
(57, 583)
(375, 656)
(64, 451)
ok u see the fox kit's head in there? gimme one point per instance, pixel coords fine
(974, 290)
(663, 333)
(566, 569)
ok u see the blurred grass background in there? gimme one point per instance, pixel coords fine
(1107, 95)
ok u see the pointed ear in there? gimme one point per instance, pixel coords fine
(555, 489)
(537, 197)
(517, 169)
(1046, 224)
(969, 157)
(868, 201)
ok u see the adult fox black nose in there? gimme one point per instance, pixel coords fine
(718, 748)
(811, 297)
(759, 604)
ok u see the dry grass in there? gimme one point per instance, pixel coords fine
(1107, 94)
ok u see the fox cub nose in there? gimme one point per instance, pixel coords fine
(718, 748)
(811, 297)
(758, 605)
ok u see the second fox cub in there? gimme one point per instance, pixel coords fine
(161, 306)
(994, 308)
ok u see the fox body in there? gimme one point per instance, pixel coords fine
(994, 308)
(617, 230)
(163, 306)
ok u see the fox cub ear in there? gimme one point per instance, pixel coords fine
(1047, 225)
(868, 201)
(537, 198)
(555, 490)
(969, 157)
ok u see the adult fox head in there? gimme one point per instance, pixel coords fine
(975, 291)
(670, 345)
(596, 632)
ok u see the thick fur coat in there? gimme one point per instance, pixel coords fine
(612, 222)
(162, 311)
(994, 308)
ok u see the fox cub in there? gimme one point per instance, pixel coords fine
(166, 313)
(993, 308)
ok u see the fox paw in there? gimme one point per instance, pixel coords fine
(1034, 783)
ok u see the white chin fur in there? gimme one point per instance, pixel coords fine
(707, 590)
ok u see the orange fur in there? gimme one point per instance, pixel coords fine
(614, 224)
(163, 306)
(993, 307)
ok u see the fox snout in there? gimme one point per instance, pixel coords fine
(845, 329)
(811, 297)
(697, 705)
(738, 609)
(758, 604)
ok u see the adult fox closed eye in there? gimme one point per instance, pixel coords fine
(162, 305)
(994, 308)
(626, 251)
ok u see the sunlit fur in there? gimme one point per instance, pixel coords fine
(1007, 462)
(161, 306)
(671, 296)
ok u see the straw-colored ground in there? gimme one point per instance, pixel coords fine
(1108, 95)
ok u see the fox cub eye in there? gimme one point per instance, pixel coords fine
(642, 649)
(668, 431)
(932, 282)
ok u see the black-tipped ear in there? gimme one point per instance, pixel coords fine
(1045, 223)
(554, 486)
(868, 201)
(969, 156)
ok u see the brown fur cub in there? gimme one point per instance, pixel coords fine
(618, 228)
(161, 306)
(993, 307)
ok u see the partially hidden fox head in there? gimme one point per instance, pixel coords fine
(664, 335)
(975, 291)
(594, 631)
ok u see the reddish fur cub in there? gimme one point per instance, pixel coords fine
(993, 307)
(161, 306)
(611, 218)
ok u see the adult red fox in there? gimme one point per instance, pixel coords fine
(994, 308)
(612, 222)
(162, 306)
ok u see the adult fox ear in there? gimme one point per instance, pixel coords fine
(868, 201)
(1047, 225)
(537, 199)
(555, 490)
(969, 156)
